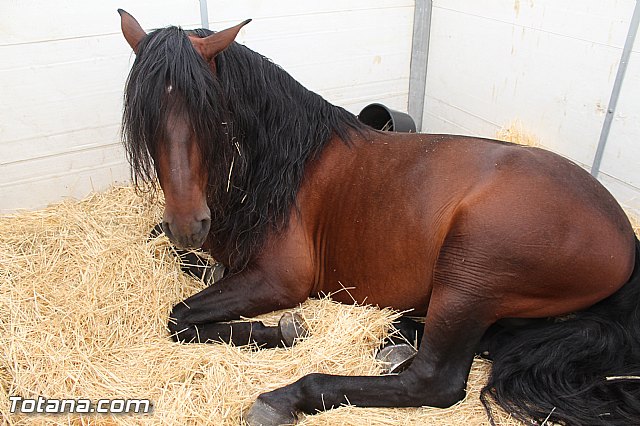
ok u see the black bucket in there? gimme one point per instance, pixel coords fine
(380, 117)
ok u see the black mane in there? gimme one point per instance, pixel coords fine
(257, 128)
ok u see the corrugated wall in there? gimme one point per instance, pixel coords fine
(64, 64)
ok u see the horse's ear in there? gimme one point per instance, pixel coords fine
(131, 30)
(214, 44)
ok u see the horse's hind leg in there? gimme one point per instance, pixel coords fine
(398, 349)
(437, 377)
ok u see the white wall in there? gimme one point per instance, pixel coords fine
(353, 52)
(64, 65)
(549, 64)
(620, 169)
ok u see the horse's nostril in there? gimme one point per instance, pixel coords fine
(187, 234)
(205, 225)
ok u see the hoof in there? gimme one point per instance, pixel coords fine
(292, 327)
(396, 358)
(262, 414)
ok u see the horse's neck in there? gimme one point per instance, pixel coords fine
(278, 125)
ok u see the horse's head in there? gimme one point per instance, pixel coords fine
(166, 131)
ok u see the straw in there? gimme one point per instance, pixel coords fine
(516, 133)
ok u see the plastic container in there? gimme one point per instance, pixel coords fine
(380, 117)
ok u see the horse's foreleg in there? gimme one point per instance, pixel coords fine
(205, 316)
(437, 377)
(290, 327)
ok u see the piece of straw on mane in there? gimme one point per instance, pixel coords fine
(84, 301)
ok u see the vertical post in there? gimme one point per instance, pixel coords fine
(419, 59)
(204, 14)
(615, 92)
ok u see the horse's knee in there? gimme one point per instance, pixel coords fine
(179, 312)
(179, 329)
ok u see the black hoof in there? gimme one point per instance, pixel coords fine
(292, 327)
(396, 358)
(262, 414)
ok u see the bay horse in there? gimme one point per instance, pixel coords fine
(492, 243)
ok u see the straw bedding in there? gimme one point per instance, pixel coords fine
(84, 300)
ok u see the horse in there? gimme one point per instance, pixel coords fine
(496, 245)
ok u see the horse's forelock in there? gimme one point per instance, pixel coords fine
(168, 74)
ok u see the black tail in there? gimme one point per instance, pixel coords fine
(584, 370)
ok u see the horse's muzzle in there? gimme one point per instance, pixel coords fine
(187, 234)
